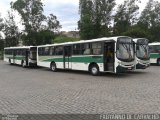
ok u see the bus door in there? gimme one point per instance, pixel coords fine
(14, 56)
(27, 56)
(67, 57)
(109, 56)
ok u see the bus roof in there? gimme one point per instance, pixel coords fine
(20, 47)
(86, 41)
(136, 39)
(154, 43)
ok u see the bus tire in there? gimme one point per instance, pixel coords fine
(53, 67)
(158, 61)
(94, 70)
(23, 64)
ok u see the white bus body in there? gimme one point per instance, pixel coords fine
(25, 56)
(89, 55)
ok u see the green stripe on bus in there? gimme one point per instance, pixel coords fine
(154, 55)
(16, 58)
(88, 59)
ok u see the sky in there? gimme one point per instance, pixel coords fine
(67, 11)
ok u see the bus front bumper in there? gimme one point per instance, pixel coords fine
(121, 69)
(142, 66)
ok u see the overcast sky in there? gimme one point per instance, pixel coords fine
(66, 11)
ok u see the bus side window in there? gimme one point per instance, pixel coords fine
(40, 51)
(96, 48)
(151, 49)
(51, 51)
(59, 50)
(86, 49)
(46, 51)
(23, 52)
(76, 49)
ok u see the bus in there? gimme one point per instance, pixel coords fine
(24, 56)
(142, 53)
(114, 54)
(154, 49)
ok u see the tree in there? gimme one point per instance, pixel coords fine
(95, 18)
(125, 17)
(31, 12)
(40, 38)
(52, 23)
(137, 32)
(10, 31)
(150, 19)
(1, 45)
(1, 26)
(35, 22)
(85, 23)
(102, 17)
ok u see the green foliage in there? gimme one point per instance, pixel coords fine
(1, 48)
(150, 19)
(125, 17)
(31, 12)
(10, 31)
(85, 24)
(137, 32)
(155, 33)
(52, 23)
(95, 18)
(62, 39)
(38, 38)
(86, 28)
(1, 55)
(39, 29)
(1, 25)
(150, 15)
(1, 45)
(102, 17)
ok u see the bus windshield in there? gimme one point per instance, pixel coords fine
(125, 49)
(142, 49)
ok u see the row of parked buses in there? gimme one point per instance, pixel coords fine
(112, 54)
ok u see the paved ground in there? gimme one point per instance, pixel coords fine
(35, 91)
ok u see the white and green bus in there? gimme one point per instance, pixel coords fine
(141, 53)
(25, 56)
(154, 49)
(114, 54)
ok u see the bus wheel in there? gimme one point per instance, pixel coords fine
(94, 70)
(158, 62)
(23, 64)
(53, 67)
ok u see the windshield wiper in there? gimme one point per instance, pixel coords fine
(145, 48)
(128, 49)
